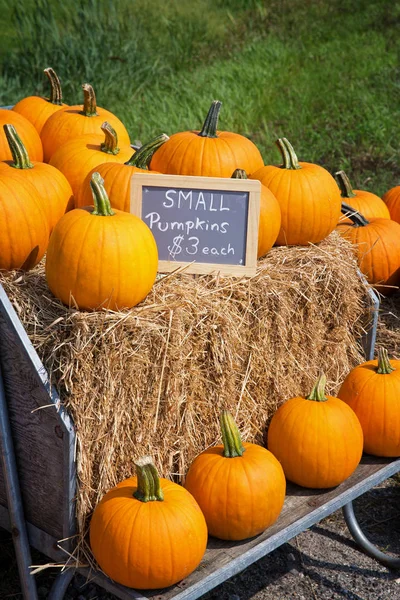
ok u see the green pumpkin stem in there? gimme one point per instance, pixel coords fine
(18, 150)
(110, 144)
(148, 481)
(351, 213)
(55, 87)
(142, 157)
(211, 123)
(89, 101)
(318, 391)
(290, 160)
(239, 174)
(384, 365)
(102, 206)
(230, 436)
(344, 184)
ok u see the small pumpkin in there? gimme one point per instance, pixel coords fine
(117, 176)
(270, 217)
(372, 390)
(78, 156)
(318, 439)
(54, 190)
(376, 245)
(36, 109)
(392, 200)
(239, 487)
(98, 257)
(368, 204)
(27, 132)
(208, 153)
(307, 194)
(73, 121)
(148, 533)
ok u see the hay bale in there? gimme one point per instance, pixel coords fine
(152, 380)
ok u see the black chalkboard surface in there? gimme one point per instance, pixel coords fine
(207, 224)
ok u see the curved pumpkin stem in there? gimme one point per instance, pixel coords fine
(211, 123)
(102, 206)
(384, 365)
(357, 218)
(239, 174)
(148, 485)
(344, 184)
(110, 144)
(289, 157)
(18, 150)
(230, 436)
(89, 101)
(142, 157)
(55, 87)
(318, 391)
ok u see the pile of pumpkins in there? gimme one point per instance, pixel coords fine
(150, 533)
(91, 262)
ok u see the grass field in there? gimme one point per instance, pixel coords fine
(323, 74)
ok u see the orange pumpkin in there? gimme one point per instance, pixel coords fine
(239, 487)
(117, 176)
(148, 533)
(27, 132)
(73, 121)
(36, 109)
(377, 247)
(270, 217)
(54, 190)
(392, 200)
(368, 204)
(318, 439)
(307, 194)
(77, 157)
(99, 257)
(208, 152)
(373, 392)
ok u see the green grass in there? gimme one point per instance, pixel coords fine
(323, 74)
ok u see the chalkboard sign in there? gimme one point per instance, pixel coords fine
(205, 223)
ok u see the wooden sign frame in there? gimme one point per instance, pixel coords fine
(251, 186)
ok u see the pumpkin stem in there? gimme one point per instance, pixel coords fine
(239, 174)
(110, 144)
(230, 436)
(384, 365)
(357, 219)
(290, 160)
(318, 391)
(210, 124)
(89, 101)
(148, 481)
(141, 159)
(344, 184)
(18, 150)
(55, 87)
(102, 206)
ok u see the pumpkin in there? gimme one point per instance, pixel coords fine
(392, 200)
(270, 217)
(77, 157)
(36, 109)
(208, 152)
(370, 205)
(307, 194)
(100, 257)
(318, 439)
(73, 121)
(54, 190)
(146, 532)
(27, 132)
(117, 176)
(239, 487)
(377, 247)
(372, 390)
